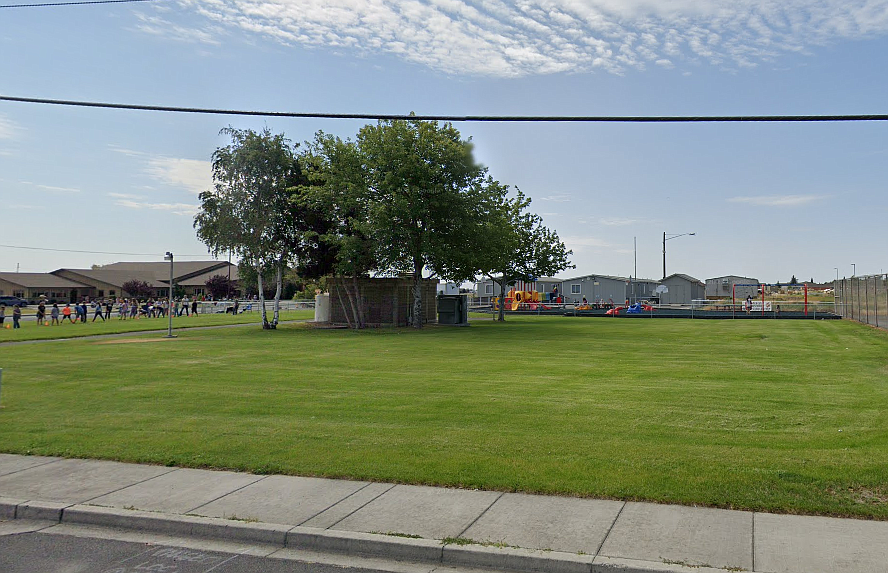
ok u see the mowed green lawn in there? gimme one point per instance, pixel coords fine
(766, 415)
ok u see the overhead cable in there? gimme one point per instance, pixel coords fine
(80, 3)
(93, 252)
(461, 118)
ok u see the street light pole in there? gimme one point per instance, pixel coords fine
(854, 270)
(665, 238)
(169, 257)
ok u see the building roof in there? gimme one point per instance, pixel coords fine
(161, 270)
(613, 278)
(118, 277)
(732, 277)
(40, 280)
(201, 279)
(685, 277)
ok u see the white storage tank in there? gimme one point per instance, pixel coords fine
(322, 307)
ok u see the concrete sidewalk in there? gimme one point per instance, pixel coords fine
(459, 528)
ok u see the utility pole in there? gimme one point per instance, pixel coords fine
(169, 257)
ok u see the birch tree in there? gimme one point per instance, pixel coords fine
(248, 211)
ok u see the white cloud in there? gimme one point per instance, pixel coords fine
(8, 129)
(125, 196)
(192, 175)
(52, 188)
(158, 26)
(617, 222)
(583, 244)
(176, 208)
(776, 200)
(556, 198)
(500, 38)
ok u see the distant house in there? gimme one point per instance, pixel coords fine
(681, 289)
(33, 286)
(724, 287)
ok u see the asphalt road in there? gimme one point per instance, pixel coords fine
(40, 552)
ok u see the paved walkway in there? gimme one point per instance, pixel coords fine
(460, 528)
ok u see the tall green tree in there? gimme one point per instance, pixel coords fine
(341, 241)
(249, 211)
(420, 179)
(518, 245)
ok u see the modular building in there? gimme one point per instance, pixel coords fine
(724, 287)
(681, 289)
(595, 289)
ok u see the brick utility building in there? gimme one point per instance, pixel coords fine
(723, 287)
(387, 301)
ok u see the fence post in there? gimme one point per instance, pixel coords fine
(866, 298)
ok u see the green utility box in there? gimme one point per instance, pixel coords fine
(453, 309)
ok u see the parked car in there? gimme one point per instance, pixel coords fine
(13, 300)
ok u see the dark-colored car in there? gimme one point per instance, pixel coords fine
(11, 301)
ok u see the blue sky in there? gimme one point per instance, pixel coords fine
(765, 200)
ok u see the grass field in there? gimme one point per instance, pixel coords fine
(30, 330)
(786, 416)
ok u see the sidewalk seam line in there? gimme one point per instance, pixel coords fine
(32, 467)
(193, 509)
(486, 509)
(753, 540)
(338, 521)
(86, 501)
(334, 504)
(609, 529)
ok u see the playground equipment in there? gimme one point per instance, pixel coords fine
(518, 299)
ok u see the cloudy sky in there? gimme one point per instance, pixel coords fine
(765, 200)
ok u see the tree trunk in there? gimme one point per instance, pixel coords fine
(359, 303)
(279, 277)
(342, 303)
(354, 303)
(417, 295)
(265, 324)
(502, 305)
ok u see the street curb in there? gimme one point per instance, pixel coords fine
(41, 510)
(618, 565)
(366, 544)
(8, 507)
(396, 548)
(187, 525)
(516, 559)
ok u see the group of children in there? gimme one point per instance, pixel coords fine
(78, 312)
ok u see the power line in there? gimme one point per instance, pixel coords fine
(463, 118)
(82, 3)
(93, 252)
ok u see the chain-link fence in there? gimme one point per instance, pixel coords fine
(864, 299)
